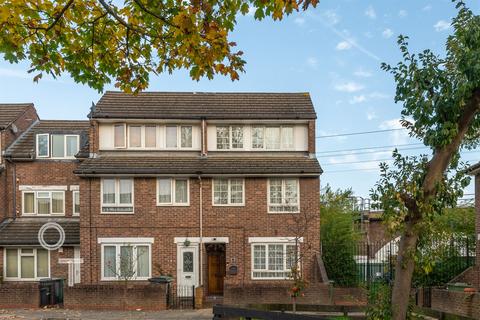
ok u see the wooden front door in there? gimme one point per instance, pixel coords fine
(216, 272)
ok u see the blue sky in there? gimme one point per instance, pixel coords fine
(334, 52)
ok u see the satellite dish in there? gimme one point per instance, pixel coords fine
(14, 128)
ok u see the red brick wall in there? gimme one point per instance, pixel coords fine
(19, 295)
(457, 303)
(165, 223)
(145, 297)
(311, 137)
(477, 209)
(22, 123)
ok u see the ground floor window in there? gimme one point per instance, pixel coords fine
(272, 260)
(26, 264)
(122, 261)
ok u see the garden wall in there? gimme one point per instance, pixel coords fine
(19, 295)
(456, 302)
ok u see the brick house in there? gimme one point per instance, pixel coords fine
(215, 189)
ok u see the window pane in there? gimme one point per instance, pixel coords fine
(220, 191)
(237, 137)
(135, 136)
(164, 191)
(150, 136)
(58, 146)
(275, 191)
(126, 190)
(259, 257)
(42, 263)
(109, 262)
(109, 191)
(143, 259)
(57, 202)
(186, 137)
(171, 136)
(76, 202)
(126, 261)
(223, 138)
(236, 191)
(275, 257)
(188, 261)
(181, 191)
(291, 257)
(12, 263)
(27, 267)
(258, 136)
(43, 205)
(119, 132)
(72, 146)
(29, 202)
(272, 138)
(291, 194)
(287, 137)
(42, 141)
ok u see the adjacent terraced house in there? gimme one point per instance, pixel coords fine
(218, 190)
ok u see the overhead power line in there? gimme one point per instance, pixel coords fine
(368, 148)
(367, 152)
(357, 133)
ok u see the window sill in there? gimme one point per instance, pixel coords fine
(115, 212)
(43, 215)
(173, 205)
(228, 205)
(283, 212)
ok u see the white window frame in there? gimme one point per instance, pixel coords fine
(117, 246)
(35, 209)
(179, 136)
(281, 145)
(173, 201)
(124, 146)
(65, 145)
(19, 264)
(117, 203)
(142, 136)
(230, 137)
(74, 192)
(228, 204)
(48, 145)
(285, 270)
(283, 197)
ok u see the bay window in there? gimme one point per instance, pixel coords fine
(273, 260)
(229, 137)
(228, 192)
(130, 261)
(43, 202)
(26, 264)
(283, 195)
(117, 195)
(172, 192)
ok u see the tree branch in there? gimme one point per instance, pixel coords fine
(59, 15)
(150, 12)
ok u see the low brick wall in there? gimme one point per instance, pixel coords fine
(278, 293)
(457, 303)
(113, 297)
(19, 295)
(470, 276)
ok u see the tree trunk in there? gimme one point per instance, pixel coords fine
(404, 268)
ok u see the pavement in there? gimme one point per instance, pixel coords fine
(64, 314)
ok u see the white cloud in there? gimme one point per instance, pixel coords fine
(387, 33)
(358, 99)
(362, 73)
(402, 13)
(332, 17)
(378, 95)
(441, 25)
(349, 87)
(365, 97)
(344, 45)
(427, 8)
(370, 12)
(312, 62)
(398, 136)
(371, 115)
(299, 21)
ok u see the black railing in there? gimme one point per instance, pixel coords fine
(180, 297)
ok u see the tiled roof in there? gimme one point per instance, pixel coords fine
(473, 169)
(253, 166)
(9, 112)
(24, 146)
(24, 231)
(209, 105)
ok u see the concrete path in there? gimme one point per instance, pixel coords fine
(62, 314)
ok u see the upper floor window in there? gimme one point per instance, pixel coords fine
(142, 136)
(272, 137)
(283, 195)
(43, 202)
(120, 136)
(178, 136)
(172, 192)
(76, 202)
(151, 136)
(57, 146)
(117, 195)
(228, 192)
(229, 137)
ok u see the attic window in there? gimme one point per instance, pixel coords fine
(57, 146)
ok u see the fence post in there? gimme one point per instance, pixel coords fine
(193, 296)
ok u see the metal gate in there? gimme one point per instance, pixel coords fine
(180, 297)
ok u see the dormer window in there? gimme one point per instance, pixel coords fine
(272, 137)
(57, 146)
(229, 137)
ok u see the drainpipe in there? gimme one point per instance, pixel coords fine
(201, 228)
(14, 180)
